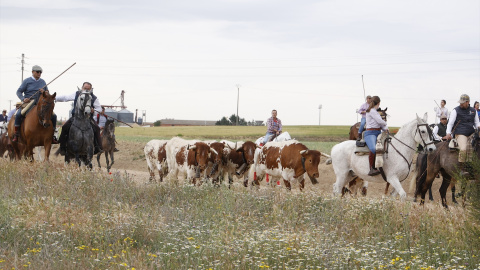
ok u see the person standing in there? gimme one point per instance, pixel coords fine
(476, 106)
(29, 91)
(363, 112)
(465, 120)
(440, 111)
(3, 117)
(101, 119)
(274, 128)
(375, 126)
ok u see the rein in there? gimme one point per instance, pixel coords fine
(43, 110)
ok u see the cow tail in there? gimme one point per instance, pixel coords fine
(329, 158)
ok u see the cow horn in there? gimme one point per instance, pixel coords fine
(214, 151)
(193, 147)
(303, 152)
(238, 145)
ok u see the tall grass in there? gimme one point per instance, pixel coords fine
(60, 217)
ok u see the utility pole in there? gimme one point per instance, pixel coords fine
(319, 114)
(10, 104)
(238, 98)
(23, 62)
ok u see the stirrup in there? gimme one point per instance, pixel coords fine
(373, 172)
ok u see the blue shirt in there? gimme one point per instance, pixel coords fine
(29, 87)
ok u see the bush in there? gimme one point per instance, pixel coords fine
(157, 123)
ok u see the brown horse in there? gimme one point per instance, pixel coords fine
(108, 143)
(445, 162)
(353, 135)
(37, 128)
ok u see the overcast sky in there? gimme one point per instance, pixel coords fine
(184, 59)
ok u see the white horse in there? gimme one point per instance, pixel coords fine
(3, 127)
(396, 166)
(284, 136)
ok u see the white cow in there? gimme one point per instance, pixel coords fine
(156, 156)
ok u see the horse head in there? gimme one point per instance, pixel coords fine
(423, 134)
(109, 128)
(84, 106)
(383, 113)
(45, 105)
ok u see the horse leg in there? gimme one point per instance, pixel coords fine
(112, 159)
(454, 200)
(340, 183)
(443, 189)
(386, 188)
(393, 180)
(430, 195)
(98, 160)
(48, 147)
(428, 184)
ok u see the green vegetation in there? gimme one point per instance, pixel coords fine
(66, 218)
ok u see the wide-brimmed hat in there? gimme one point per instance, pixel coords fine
(443, 116)
(37, 68)
(464, 98)
(18, 103)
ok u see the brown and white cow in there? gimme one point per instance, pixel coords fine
(288, 160)
(156, 156)
(189, 158)
(238, 158)
(216, 162)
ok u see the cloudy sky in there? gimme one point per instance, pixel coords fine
(184, 59)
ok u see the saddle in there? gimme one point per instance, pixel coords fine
(362, 149)
(26, 107)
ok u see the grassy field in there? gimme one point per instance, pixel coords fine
(54, 216)
(64, 218)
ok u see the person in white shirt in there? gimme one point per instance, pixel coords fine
(12, 112)
(440, 130)
(439, 111)
(66, 127)
(375, 125)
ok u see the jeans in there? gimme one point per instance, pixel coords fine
(371, 139)
(362, 125)
(267, 137)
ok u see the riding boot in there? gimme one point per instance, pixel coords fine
(359, 137)
(371, 159)
(16, 135)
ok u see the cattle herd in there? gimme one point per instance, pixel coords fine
(199, 161)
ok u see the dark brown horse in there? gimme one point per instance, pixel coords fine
(108, 143)
(353, 135)
(445, 162)
(37, 128)
(6, 146)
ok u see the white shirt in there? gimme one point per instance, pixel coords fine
(439, 112)
(102, 119)
(71, 97)
(435, 134)
(374, 120)
(453, 117)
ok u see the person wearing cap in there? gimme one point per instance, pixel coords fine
(440, 111)
(12, 112)
(375, 126)
(29, 91)
(440, 129)
(66, 127)
(363, 112)
(462, 123)
(3, 117)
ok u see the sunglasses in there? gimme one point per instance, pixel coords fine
(38, 71)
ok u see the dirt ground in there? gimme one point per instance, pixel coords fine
(131, 159)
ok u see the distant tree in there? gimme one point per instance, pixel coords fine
(223, 122)
(241, 121)
(157, 123)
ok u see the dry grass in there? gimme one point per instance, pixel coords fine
(61, 217)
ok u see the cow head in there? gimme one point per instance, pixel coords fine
(216, 156)
(202, 153)
(247, 149)
(310, 161)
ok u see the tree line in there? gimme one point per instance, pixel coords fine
(232, 120)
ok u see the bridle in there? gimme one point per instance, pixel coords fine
(44, 107)
(388, 142)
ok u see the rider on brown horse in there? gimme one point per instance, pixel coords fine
(66, 127)
(29, 92)
(462, 123)
(363, 112)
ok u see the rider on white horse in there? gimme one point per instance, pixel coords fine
(375, 125)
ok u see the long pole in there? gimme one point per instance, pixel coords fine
(364, 97)
(238, 99)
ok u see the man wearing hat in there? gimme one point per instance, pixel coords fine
(440, 129)
(29, 92)
(363, 112)
(3, 116)
(465, 119)
(12, 112)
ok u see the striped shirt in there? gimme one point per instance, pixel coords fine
(274, 125)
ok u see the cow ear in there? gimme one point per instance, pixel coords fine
(304, 152)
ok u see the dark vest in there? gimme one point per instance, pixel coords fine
(442, 130)
(465, 121)
(75, 101)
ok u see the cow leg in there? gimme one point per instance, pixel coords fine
(287, 184)
(245, 181)
(302, 183)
